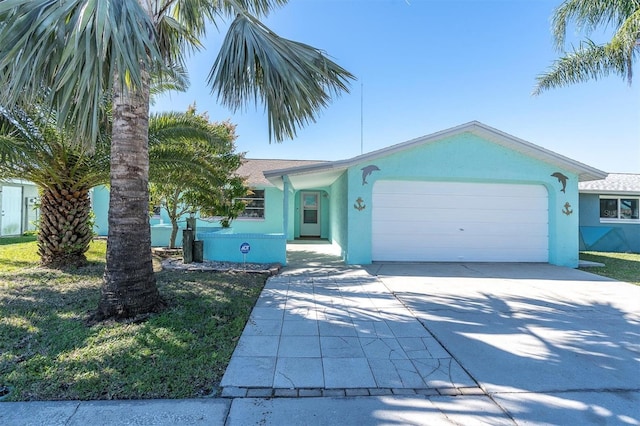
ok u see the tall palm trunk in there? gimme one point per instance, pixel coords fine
(129, 287)
(65, 231)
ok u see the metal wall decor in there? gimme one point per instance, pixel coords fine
(366, 171)
(567, 209)
(562, 179)
(359, 205)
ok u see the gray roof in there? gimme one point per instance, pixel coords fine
(615, 183)
(253, 169)
(332, 169)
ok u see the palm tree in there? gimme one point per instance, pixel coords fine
(84, 49)
(186, 151)
(33, 147)
(591, 60)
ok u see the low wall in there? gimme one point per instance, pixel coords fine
(224, 246)
(161, 233)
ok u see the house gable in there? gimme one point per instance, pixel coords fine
(465, 158)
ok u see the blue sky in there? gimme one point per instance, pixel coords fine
(426, 65)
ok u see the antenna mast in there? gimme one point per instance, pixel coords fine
(361, 118)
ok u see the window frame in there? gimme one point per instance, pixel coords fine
(618, 199)
(251, 198)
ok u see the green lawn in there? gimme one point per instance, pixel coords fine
(620, 266)
(48, 352)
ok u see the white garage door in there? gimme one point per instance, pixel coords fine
(459, 222)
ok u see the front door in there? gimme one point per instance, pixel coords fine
(11, 220)
(310, 214)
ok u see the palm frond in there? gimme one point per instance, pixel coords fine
(589, 61)
(171, 78)
(254, 7)
(588, 15)
(73, 47)
(33, 147)
(294, 80)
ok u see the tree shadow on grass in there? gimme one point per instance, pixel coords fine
(48, 353)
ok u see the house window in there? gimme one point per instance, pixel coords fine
(254, 208)
(618, 208)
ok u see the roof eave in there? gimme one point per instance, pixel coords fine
(584, 172)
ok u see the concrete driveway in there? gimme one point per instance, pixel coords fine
(548, 344)
(411, 344)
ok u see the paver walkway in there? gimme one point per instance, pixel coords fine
(338, 333)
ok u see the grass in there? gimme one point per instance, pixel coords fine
(48, 352)
(619, 266)
(21, 252)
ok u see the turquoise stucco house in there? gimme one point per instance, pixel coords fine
(470, 193)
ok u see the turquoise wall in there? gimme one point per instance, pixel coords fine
(161, 226)
(338, 213)
(611, 237)
(224, 246)
(469, 158)
(100, 206)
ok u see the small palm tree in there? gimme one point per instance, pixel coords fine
(192, 165)
(591, 60)
(186, 151)
(33, 147)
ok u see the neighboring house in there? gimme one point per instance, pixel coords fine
(18, 204)
(609, 214)
(470, 193)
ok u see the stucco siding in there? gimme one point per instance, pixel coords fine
(466, 158)
(160, 226)
(100, 206)
(338, 212)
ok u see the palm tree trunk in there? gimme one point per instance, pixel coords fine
(65, 232)
(129, 287)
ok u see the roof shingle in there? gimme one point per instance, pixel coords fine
(253, 169)
(614, 183)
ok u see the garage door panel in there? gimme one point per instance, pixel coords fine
(444, 202)
(441, 234)
(448, 240)
(458, 188)
(456, 216)
(454, 221)
(453, 255)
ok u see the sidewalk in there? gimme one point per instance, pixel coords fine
(406, 410)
